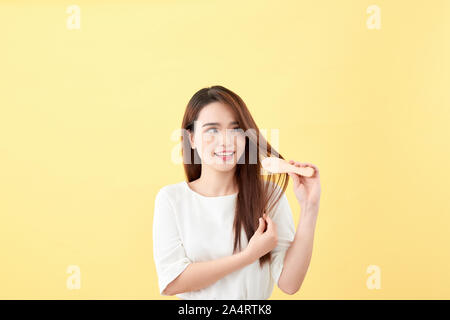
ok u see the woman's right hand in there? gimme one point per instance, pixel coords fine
(262, 241)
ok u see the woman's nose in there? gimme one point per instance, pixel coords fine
(226, 138)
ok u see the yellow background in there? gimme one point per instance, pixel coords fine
(86, 118)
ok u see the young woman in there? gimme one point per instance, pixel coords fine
(228, 232)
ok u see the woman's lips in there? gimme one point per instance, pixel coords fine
(225, 158)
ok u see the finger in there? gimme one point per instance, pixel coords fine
(300, 164)
(261, 225)
(306, 164)
(311, 165)
(265, 221)
(316, 170)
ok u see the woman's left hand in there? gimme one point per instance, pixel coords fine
(307, 190)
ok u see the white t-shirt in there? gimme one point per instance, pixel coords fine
(189, 227)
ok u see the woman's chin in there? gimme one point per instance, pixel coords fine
(223, 166)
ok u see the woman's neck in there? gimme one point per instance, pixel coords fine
(213, 183)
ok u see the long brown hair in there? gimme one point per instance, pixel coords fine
(255, 196)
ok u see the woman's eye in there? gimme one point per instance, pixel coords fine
(215, 130)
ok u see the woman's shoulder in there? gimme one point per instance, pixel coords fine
(173, 188)
(172, 191)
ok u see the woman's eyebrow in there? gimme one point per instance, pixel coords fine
(218, 124)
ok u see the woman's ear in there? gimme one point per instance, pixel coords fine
(191, 139)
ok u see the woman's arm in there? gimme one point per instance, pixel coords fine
(298, 256)
(199, 275)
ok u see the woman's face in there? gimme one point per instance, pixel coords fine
(218, 138)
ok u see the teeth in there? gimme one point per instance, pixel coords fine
(225, 154)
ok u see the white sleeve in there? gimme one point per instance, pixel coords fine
(285, 231)
(168, 250)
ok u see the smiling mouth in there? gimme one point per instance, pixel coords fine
(225, 155)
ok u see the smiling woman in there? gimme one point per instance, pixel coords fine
(211, 133)
(202, 225)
